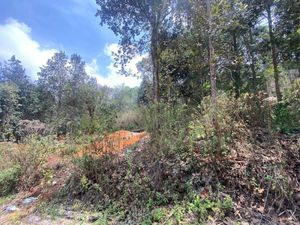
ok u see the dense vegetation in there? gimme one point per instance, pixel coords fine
(219, 98)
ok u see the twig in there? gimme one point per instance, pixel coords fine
(266, 200)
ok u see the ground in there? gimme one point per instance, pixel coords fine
(13, 210)
(36, 206)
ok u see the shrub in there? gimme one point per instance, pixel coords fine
(287, 113)
(129, 120)
(255, 110)
(231, 126)
(9, 113)
(106, 179)
(29, 157)
(203, 208)
(168, 128)
(9, 179)
(158, 214)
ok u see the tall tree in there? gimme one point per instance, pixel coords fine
(138, 22)
(91, 93)
(265, 9)
(9, 109)
(53, 78)
(75, 95)
(211, 58)
(288, 30)
(14, 72)
(269, 4)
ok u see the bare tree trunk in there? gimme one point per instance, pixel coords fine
(274, 54)
(252, 65)
(236, 70)
(213, 81)
(169, 88)
(155, 62)
(212, 68)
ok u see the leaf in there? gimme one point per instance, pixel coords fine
(260, 190)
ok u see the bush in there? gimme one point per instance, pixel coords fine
(287, 113)
(104, 180)
(255, 110)
(129, 120)
(29, 157)
(231, 125)
(204, 208)
(100, 123)
(9, 179)
(168, 128)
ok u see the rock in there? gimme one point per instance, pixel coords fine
(69, 215)
(33, 219)
(11, 208)
(93, 219)
(29, 200)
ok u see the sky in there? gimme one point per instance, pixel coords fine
(33, 30)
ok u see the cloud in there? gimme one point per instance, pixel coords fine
(15, 39)
(114, 78)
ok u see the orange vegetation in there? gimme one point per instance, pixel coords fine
(113, 143)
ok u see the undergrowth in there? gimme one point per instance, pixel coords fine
(171, 178)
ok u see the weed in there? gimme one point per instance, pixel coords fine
(158, 214)
(204, 208)
(9, 179)
(6, 199)
(50, 209)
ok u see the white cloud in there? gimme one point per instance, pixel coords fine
(15, 39)
(114, 78)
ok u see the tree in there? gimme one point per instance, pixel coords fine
(75, 95)
(211, 50)
(213, 75)
(269, 4)
(266, 9)
(90, 91)
(13, 71)
(53, 78)
(288, 30)
(9, 109)
(138, 23)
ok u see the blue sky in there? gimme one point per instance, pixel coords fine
(34, 29)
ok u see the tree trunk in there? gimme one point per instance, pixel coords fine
(252, 65)
(236, 70)
(155, 62)
(213, 82)
(274, 54)
(212, 68)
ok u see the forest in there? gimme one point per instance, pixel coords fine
(211, 135)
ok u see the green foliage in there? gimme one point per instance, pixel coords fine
(203, 208)
(97, 125)
(130, 119)
(9, 179)
(231, 126)
(255, 110)
(9, 110)
(287, 114)
(283, 118)
(30, 158)
(6, 199)
(158, 214)
(168, 126)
